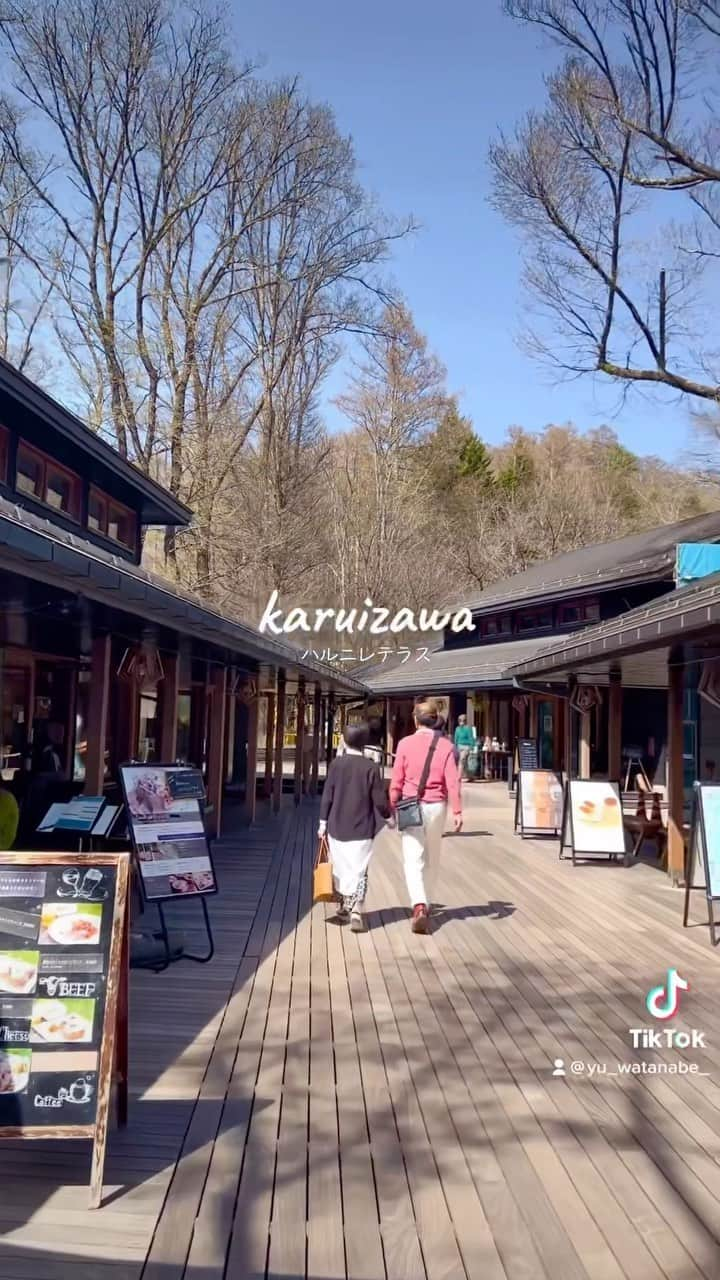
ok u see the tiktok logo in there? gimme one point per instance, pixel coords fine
(663, 1002)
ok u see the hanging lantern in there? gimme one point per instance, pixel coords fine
(141, 665)
(585, 697)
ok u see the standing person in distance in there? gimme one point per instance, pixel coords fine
(464, 743)
(421, 844)
(354, 807)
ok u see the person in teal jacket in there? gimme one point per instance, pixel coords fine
(464, 742)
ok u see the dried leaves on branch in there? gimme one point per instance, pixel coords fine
(615, 188)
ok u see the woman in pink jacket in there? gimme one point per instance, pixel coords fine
(421, 845)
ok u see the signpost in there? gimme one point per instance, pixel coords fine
(63, 997)
(171, 848)
(702, 869)
(538, 803)
(592, 822)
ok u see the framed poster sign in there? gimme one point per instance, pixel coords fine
(167, 829)
(538, 802)
(63, 997)
(702, 869)
(527, 753)
(592, 819)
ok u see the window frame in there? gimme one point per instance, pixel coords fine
(4, 453)
(47, 465)
(109, 504)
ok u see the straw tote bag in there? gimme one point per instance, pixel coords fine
(323, 890)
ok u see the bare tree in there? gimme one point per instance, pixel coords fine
(627, 129)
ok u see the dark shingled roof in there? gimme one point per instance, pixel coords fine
(481, 666)
(637, 558)
(35, 546)
(680, 615)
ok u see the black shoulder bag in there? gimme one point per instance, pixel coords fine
(408, 812)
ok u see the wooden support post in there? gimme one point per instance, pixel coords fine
(330, 727)
(615, 726)
(299, 738)
(533, 728)
(279, 741)
(269, 740)
(389, 741)
(169, 690)
(584, 756)
(216, 751)
(97, 715)
(317, 723)
(676, 843)
(251, 770)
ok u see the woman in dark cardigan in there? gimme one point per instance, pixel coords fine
(353, 809)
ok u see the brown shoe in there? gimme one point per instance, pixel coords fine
(420, 919)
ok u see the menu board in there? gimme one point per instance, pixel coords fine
(595, 817)
(168, 832)
(528, 753)
(61, 945)
(539, 802)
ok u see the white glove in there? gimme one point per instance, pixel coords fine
(322, 828)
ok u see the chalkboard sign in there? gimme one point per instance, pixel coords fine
(703, 858)
(63, 994)
(592, 819)
(527, 753)
(168, 831)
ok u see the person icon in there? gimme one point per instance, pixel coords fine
(559, 1065)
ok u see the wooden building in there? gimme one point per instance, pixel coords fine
(675, 641)
(490, 675)
(102, 661)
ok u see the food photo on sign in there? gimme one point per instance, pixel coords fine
(541, 800)
(597, 819)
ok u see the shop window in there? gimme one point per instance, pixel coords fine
(149, 726)
(4, 446)
(111, 519)
(46, 481)
(592, 611)
(500, 625)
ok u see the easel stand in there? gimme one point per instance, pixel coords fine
(697, 853)
(186, 955)
(567, 833)
(525, 832)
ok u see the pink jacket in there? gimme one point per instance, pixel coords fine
(443, 781)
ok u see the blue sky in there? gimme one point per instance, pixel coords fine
(422, 88)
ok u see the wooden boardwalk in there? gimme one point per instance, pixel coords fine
(319, 1104)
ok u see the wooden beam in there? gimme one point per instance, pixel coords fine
(216, 750)
(615, 726)
(97, 715)
(567, 736)
(533, 727)
(389, 736)
(169, 690)
(269, 739)
(251, 771)
(676, 842)
(330, 728)
(279, 740)
(558, 723)
(299, 738)
(317, 729)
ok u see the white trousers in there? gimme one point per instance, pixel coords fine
(421, 853)
(350, 859)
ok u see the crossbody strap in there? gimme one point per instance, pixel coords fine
(426, 767)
